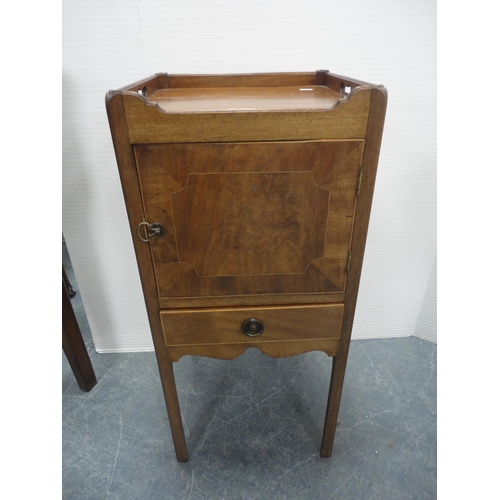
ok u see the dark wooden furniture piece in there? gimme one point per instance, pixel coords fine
(69, 286)
(248, 198)
(72, 341)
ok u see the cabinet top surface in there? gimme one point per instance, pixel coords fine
(292, 97)
(244, 93)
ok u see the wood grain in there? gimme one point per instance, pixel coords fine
(255, 225)
(133, 201)
(74, 345)
(149, 124)
(271, 349)
(150, 84)
(241, 80)
(305, 97)
(370, 163)
(223, 326)
(251, 300)
(198, 151)
(234, 224)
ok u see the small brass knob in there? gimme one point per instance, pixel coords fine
(252, 327)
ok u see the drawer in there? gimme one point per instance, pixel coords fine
(224, 326)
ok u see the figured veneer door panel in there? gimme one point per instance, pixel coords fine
(271, 218)
(236, 224)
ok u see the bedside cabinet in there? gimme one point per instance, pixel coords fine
(248, 198)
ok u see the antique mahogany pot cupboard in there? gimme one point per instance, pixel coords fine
(248, 198)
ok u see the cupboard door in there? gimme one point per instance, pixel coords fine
(269, 220)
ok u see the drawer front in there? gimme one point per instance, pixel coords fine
(224, 326)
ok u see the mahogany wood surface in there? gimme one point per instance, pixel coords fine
(162, 81)
(69, 286)
(245, 98)
(263, 208)
(133, 201)
(250, 218)
(261, 299)
(149, 124)
(277, 349)
(147, 85)
(250, 223)
(252, 80)
(73, 344)
(223, 326)
(370, 164)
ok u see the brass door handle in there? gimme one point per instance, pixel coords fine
(150, 230)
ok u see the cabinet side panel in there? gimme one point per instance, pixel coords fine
(133, 202)
(128, 175)
(370, 162)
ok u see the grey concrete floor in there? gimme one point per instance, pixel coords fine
(253, 425)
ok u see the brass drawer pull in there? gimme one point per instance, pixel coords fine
(155, 229)
(252, 327)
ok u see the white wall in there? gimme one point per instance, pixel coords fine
(426, 328)
(108, 44)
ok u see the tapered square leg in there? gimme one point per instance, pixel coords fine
(173, 409)
(74, 346)
(332, 408)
